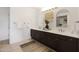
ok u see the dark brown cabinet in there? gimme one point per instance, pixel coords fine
(57, 42)
(66, 45)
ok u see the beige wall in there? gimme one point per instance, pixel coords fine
(73, 16)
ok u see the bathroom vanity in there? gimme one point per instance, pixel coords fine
(58, 42)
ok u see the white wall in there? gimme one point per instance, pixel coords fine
(4, 18)
(72, 17)
(22, 19)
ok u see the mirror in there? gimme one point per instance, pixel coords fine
(61, 21)
(62, 18)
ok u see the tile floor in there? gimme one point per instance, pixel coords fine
(28, 47)
(35, 47)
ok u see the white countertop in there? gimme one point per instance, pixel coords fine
(65, 33)
(61, 33)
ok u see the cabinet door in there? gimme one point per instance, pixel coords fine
(46, 38)
(35, 34)
(78, 45)
(50, 40)
(66, 44)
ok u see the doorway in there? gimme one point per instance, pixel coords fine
(4, 25)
